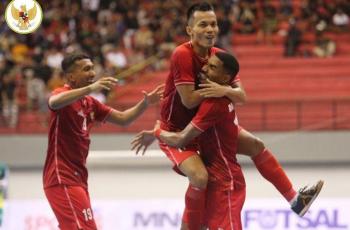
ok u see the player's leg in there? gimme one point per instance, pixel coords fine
(190, 164)
(194, 169)
(265, 162)
(71, 206)
(271, 170)
(223, 209)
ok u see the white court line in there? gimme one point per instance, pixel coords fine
(114, 154)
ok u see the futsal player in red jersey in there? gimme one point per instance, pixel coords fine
(180, 103)
(72, 114)
(216, 127)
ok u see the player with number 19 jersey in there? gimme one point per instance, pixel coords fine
(69, 140)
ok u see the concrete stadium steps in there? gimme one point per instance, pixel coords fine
(267, 51)
(28, 122)
(271, 89)
(295, 115)
(278, 40)
(290, 63)
(283, 82)
(299, 73)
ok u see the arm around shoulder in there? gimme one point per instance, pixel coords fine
(190, 98)
(236, 93)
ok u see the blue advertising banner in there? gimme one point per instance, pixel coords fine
(258, 214)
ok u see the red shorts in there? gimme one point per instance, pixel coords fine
(223, 209)
(72, 208)
(177, 156)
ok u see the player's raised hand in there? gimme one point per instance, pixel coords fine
(103, 83)
(142, 141)
(212, 89)
(155, 95)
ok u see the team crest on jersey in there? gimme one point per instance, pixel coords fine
(23, 16)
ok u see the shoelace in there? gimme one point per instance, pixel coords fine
(307, 191)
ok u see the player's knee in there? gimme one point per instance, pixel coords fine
(200, 179)
(259, 146)
(184, 226)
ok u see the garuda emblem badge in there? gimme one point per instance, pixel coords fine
(23, 16)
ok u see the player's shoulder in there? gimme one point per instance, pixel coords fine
(183, 50)
(60, 89)
(215, 49)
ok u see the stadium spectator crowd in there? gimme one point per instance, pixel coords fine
(118, 34)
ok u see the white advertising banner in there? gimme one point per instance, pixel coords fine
(258, 214)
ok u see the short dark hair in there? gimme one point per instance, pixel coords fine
(203, 6)
(230, 63)
(69, 60)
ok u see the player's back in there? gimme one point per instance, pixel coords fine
(218, 146)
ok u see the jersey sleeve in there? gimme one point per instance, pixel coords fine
(182, 67)
(55, 92)
(210, 111)
(58, 91)
(101, 110)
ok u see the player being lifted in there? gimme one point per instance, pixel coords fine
(181, 101)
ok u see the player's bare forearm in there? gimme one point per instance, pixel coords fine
(236, 95)
(189, 97)
(129, 115)
(179, 139)
(173, 139)
(234, 92)
(68, 97)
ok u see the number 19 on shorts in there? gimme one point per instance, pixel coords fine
(87, 214)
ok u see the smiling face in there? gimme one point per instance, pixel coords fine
(215, 71)
(82, 73)
(203, 29)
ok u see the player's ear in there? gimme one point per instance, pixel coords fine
(69, 77)
(227, 78)
(189, 30)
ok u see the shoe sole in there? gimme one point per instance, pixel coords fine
(306, 208)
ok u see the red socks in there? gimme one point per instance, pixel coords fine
(195, 203)
(271, 170)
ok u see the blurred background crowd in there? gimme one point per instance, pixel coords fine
(119, 34)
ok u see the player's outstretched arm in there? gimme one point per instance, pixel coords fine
(129, 115)
(175, 139)
(63, 99)
(235, 93)
(142, 141)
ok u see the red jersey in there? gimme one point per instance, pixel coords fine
(216, 118)
(185, 67)
(69, 140)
